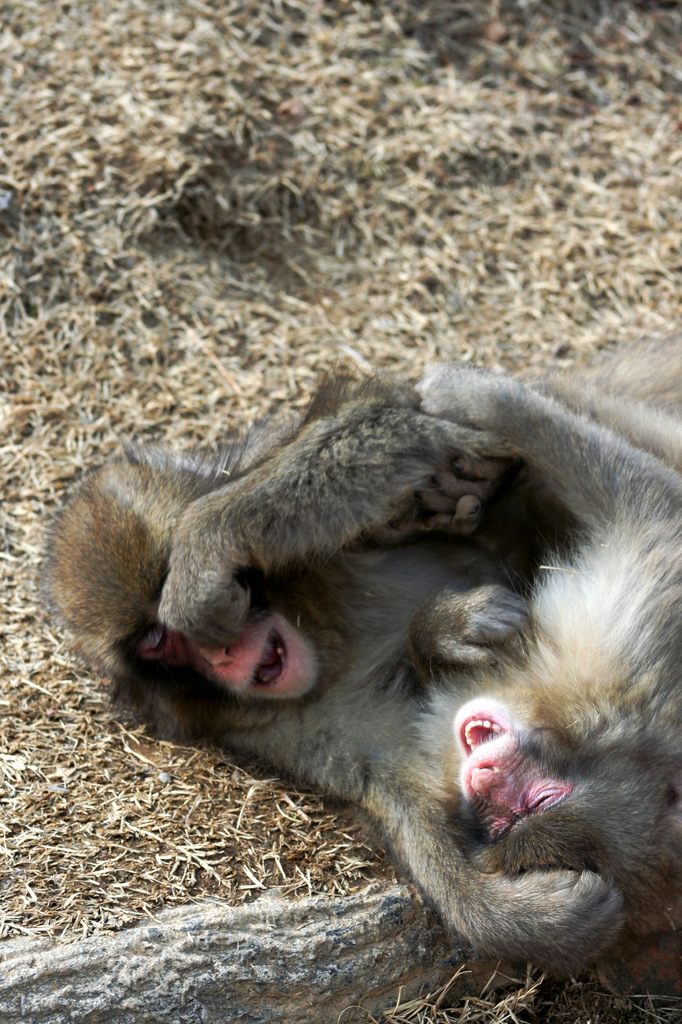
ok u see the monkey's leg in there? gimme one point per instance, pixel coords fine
(456, 628)
(339, 478)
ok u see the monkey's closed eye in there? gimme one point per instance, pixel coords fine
(252, 581)
(153, 642)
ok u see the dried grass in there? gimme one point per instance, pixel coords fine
(531, 1000)
(201, 207)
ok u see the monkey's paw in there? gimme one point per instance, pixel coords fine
(560, 920)
(455, 498)
(201, 597)
(487, 619)
(466, 628)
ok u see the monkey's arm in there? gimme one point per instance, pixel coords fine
(358, 748)
(622, 588)
(340, 477)
(560, 920)
(595, 473)
(651, 429)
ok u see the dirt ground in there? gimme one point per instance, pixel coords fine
(204, 205)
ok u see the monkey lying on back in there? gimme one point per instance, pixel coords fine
(293, 506)
(326, 627)
(571, 755)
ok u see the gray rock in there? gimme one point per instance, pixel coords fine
(268, 961)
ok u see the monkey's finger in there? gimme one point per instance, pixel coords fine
(442, 495)
(457, 491)
(500, 616)
(463, 520)
(468, 512)
(454, 651)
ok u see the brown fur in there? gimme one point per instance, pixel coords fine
(594, 702)
(292, 530)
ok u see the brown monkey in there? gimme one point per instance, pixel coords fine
(133, 505)
(120, 526)
(314, 615)
(571, 755)
(338, 480)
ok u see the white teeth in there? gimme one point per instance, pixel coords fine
(481, 723)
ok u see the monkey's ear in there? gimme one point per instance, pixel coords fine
(134, 452)
(345, 384)
(335, 388)
(160, 460)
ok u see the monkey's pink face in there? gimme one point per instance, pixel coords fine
(549, 796)
(269, 659)
(503, 786)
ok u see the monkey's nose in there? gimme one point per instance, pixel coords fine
(215, 655)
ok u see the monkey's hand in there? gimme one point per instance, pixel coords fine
(466, 627)
(560, 920)
(597, 475)
(204, 596)
(453, 500)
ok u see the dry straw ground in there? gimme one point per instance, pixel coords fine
(202, 206)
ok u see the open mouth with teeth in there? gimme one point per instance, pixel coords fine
(272, 663)
(479, 723)
(498, 778)
(259, 659)
(269, 658)
(477, 731)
